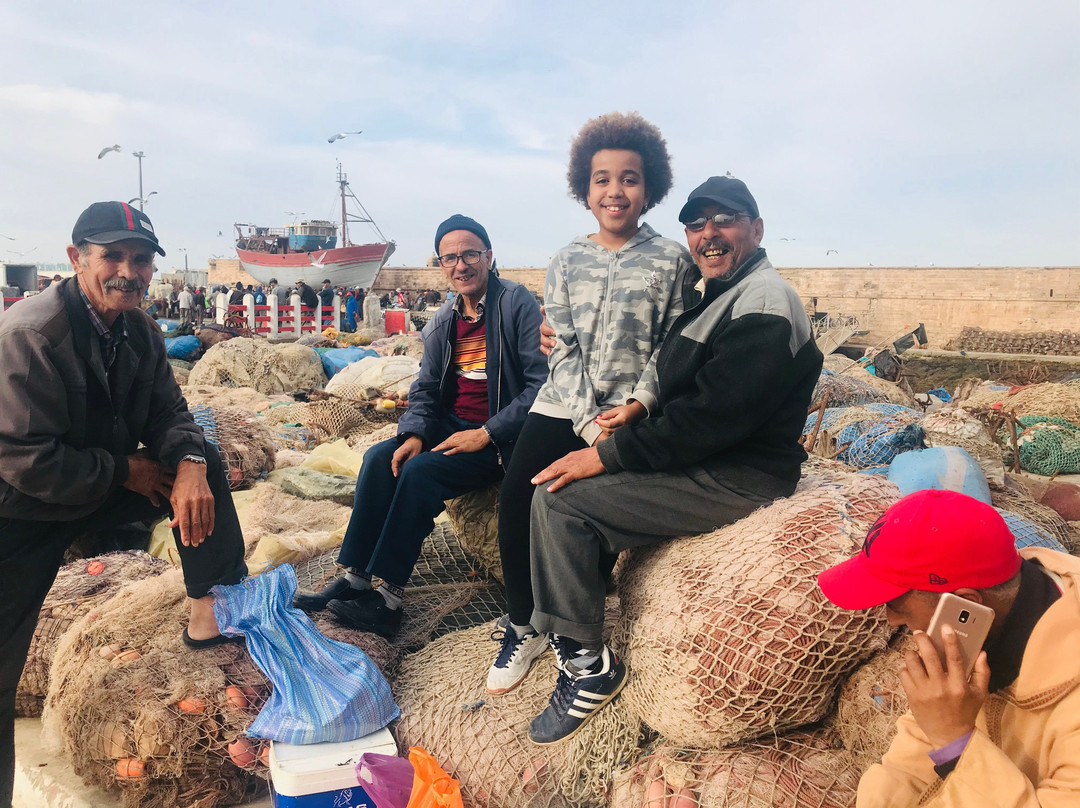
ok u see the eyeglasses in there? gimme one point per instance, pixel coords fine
(470, 257)
(718, 220)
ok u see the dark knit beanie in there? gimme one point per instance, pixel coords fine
(459, 222)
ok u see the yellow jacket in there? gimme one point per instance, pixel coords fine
(1025, 751)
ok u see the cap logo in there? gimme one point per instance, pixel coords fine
(145, 225)
(871, 537)
(937, 580)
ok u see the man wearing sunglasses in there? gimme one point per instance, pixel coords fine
(736, 372)
(480, 372)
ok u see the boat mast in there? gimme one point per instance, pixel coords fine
(342, 182)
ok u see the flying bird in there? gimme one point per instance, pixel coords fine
(108, 149)
(787, 239)
(831, 251)
(146, 199)
(317, 262)
(340, 135)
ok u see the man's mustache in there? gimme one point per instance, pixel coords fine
(124, 285)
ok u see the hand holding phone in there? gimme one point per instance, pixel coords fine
(969, 620)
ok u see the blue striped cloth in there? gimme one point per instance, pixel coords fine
(324, 690)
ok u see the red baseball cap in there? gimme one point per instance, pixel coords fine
(933, 541)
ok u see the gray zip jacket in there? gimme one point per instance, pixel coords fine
(610, 311)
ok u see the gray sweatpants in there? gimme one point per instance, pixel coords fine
(612, 512)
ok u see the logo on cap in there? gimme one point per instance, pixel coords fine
(937, 580)
(872, 535)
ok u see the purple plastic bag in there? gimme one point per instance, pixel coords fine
(387, 779)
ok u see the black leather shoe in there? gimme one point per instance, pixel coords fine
(368, 612)
(338, 589)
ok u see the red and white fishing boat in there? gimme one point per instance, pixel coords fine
(307, 250)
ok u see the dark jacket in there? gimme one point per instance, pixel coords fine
(308, 298)
(736, 373)
(515, 367)
(65, 431)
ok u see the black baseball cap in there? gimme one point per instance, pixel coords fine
(727, 192)
(109, 222)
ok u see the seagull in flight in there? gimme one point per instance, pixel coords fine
(137, 199)
(108, 149)
(831, 251)
(317, 262)
(787, 239)
(340, 135)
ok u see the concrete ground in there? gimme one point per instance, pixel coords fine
(45, 780)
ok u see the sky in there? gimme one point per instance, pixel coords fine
(871, 133)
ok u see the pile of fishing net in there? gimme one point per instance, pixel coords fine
(866, 388)
(1046, 343)
(727, 636)
(246, 398)
(386, 373)
(444, 594)
(249, 362)
(181, 370)
(132, 708)
(78, 588)
(281, 528)
(953, 426)
(1047, 445)
(475, 519)
(245, 444)
(400, 345)
(350, 409)
(871, 701)
(1050, 398)
(1016, 499)
(481, 740)
(806, 769)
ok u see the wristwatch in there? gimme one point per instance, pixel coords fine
(193, 458)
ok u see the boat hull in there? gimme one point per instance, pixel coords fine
(344, 266)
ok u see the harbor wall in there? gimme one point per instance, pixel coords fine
(945, 299)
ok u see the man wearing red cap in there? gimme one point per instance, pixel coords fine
(1008, 735)
(84, 382)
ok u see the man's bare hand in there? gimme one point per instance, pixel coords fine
(621, 416)
(942, 700)
(547, 336)
(192, 504)
(468, 440)
(405, 452)
(150, 478)
(574, 466)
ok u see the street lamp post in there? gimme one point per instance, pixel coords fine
(139, 156)
(184, 251)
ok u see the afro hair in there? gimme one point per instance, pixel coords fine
(616, 130)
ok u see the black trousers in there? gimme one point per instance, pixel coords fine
(542, 441)
(31, 553)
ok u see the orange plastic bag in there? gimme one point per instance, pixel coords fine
(432, 787)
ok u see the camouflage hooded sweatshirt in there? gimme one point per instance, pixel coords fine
(610, 310)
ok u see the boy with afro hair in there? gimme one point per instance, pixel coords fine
(610, 297)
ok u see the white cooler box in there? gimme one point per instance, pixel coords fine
(323, 775)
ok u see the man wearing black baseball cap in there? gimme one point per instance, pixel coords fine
(84, 381)
(1010, 733)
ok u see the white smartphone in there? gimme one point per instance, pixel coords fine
(971, 621)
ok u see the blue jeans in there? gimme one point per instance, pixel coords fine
(393, 515)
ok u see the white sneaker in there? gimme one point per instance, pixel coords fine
(514, 660)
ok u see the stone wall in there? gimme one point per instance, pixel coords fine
(413, 278)
(1021, 299)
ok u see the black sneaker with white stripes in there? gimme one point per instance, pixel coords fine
(577, 698)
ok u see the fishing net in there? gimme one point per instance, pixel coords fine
(244, 397)
(871, 701)
(1047, 445)
(280, 528)
(844, 390)
(245, 444)
(360, 440)
(1045, 343)
(1016, 500)
(876, 442)
(181, 370)
(352, 409)
(249, 362)
(885, 390)
(475, 519)
(836, 418)
(807, 769)
(132, 708)
(445, 592)
(482, 741)
(385, 373)
(953, 426)
(1029, 534)
(78, 588)
(410, 345)
(727, 635)
(1049, 398)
